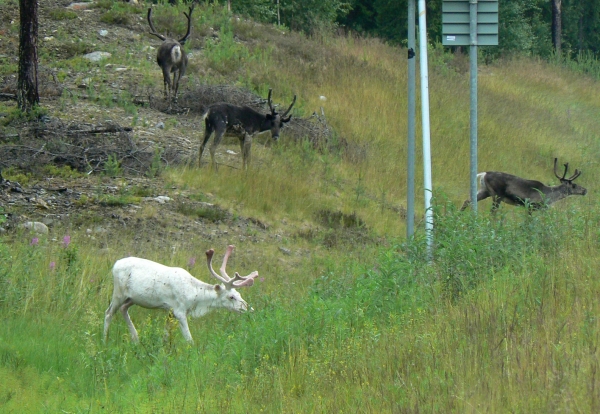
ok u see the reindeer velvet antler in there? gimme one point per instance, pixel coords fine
(237, 280)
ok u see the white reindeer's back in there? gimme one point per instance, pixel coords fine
(152, 285)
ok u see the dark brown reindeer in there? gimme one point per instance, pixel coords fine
(518, 191)
(243, 122)
(171, 57)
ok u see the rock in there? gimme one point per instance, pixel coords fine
(40, 203)
(36, 227)
(97, 56)
(102, 32)
(285, 250)
(160, 125)
(80, 6)
(162, 199)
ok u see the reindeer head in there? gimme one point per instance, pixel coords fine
(274, 121)
(227, 295)
(570, 187)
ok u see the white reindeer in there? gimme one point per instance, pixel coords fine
(152, 285)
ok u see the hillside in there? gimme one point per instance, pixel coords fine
(349, 315)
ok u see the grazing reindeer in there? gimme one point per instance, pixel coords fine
(242, 122)
(152, 285)
(521, 192)
(171, 57)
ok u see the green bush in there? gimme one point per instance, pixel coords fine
(62, 14)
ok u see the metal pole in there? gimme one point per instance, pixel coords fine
(425, 125)
(473, 113)
(410, 189)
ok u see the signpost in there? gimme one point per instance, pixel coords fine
(471, 23)
(424, 122)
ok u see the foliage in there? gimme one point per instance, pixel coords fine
(156, 166)
(225, 55)
(307, 16)
(210, 213)
(116, 17)
(525, 25)
(62, 14)
(16, 115)
(75, 48)
(112, 167)
(64, 171)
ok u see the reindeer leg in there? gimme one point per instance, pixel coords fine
(481, 195)
(219, 132)
(125, 312)
(246, 145)
(208, 130)
(183, 323)
(176, 77)
(495, 203)
(115, 304)
(167, 81)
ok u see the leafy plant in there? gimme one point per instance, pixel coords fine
(112, 166)
(62, 14)
(155, 164)
(214, 214)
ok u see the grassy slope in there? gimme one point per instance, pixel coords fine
(503, 321)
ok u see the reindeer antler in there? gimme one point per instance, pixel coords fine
(565, 173)
(269, 101)
(189, 29)
(153, 32)
(225, 258)
(574, 176)
(237, 280)
(289, 109)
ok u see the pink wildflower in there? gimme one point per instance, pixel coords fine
(66, 241)
(34, 241)
(52, 265)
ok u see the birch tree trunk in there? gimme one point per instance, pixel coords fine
(557, 25)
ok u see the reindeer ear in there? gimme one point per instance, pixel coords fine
(286, 119)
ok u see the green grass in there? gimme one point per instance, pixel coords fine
(385, 331)
(355, 319)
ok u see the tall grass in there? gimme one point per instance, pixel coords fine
(503, 317)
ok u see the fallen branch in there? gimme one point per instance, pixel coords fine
(8, 97)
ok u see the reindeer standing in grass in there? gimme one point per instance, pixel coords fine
(171, 57)
(243, 122)
(517, 191)
(152, 285)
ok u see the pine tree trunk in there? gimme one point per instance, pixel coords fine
(557, 25)
(27, 84)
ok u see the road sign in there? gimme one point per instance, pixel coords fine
(456, 19)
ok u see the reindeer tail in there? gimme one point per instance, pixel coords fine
(480, 178)
(205, 114)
